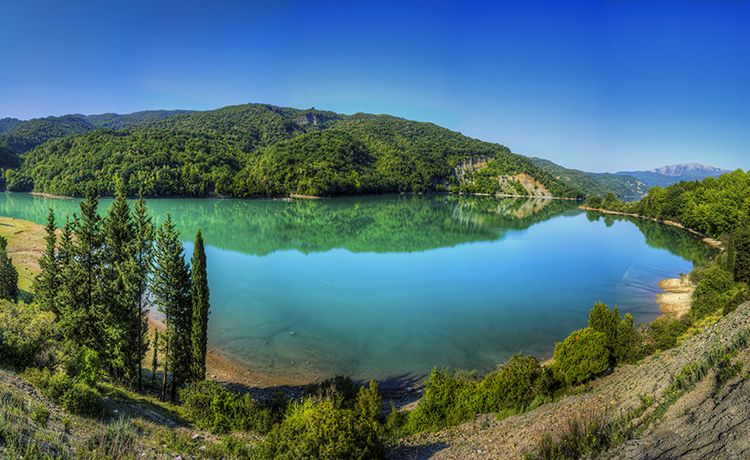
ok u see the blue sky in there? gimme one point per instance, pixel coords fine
(598, 85)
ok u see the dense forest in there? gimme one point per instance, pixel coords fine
(260, 150)
(21, 136)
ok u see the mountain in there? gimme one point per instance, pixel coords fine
(672, 174)
(263, 150)
(21, 136)
(8, 123)
(626, 188)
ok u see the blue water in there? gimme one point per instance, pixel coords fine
(390, 287)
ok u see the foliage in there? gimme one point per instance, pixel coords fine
(27, 336)
(622, 339)
(200, 308)
(738, 250)
(171, 292)
(262, 150)
(584, 354)
(716, 291)
(714, 207)
(217, 409)
(317, 429)
(8, 273)
(452, 397)
(73, 395)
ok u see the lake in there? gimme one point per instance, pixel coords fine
(389, 287)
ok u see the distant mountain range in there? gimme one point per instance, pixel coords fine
(672, 174)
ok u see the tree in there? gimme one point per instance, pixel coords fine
(155, 359)
(118, 277)
(47, 283)
(582, 355)
(143, 254)
(739, 254)
(171, 290)
(8, 273)
(199, 295)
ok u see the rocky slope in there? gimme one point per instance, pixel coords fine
(706, 422)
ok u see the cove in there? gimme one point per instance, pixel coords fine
(389, 287)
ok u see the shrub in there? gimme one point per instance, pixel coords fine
(340, 390)
(317, 429)
(716, 291)
(73, 396)
(40, 416)
(81, 399)
(738, 251)
(27, 336)
(622, 339)
(215, 408)
(666, 329)
(582, 355)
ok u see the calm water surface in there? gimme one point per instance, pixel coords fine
(390, 287)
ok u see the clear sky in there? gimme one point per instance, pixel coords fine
(597, 85)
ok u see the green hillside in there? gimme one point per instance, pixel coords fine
(626, 188)
(262, 150)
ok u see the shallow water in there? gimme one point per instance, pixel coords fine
(390, 287)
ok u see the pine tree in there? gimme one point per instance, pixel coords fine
(171, 290)
(47, 283)
(117, 279)
(143, 248)
(199, 296)
(8, 273)
(86, 319)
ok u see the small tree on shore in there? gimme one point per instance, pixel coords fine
(47, 283)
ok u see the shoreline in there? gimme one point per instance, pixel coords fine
(714, 243)
(677, 296)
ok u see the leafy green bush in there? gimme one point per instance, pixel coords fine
(584, 354)
(27, 335)
(666, 329)
(118, 440)
(215, 408)
(622, 339)
(40, 415)
(317, 429)
(74, 396)
(453, 397)
(716, 291)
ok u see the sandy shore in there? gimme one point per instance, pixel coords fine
(677, 297)
(223, 368)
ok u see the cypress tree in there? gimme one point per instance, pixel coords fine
(199, 297)
(47, 283)
(171, 290)
(8, 273)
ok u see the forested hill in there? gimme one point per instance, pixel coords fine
(21, 136)
(625, 187)
(262, 150)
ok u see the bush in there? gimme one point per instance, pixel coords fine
(622, 339)
(27, 336)
(117, 441)
(582, 355)
(40, 416)
(666, 329)
(74, 396)
(217, 409)
(716, 291)
(317, 429)
(340, 390)
(453, 397)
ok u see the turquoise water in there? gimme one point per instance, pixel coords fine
(390, 287)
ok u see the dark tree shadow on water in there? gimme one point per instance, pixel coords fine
(421, 452)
